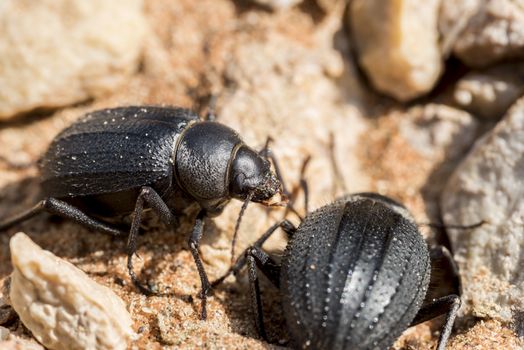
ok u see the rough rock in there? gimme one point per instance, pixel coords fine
(397, 44)
(17, 343)
(412, 164)
(453, 18)
(488, 185)
(55, 53)
(494, 33)
(433, 130)
(60, 305)
(488, 94)
(278, 4)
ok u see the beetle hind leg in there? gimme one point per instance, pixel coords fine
(443, 270)
(63, 209)
(26, 215)
(448, 305)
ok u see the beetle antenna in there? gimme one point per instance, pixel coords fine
(305, 189)
(458, 227)
(339, 179)
(268, 155)
(237, 225)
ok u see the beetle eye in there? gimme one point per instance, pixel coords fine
(248, 171)
(238, 185)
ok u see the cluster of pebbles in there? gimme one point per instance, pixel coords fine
(420, 101)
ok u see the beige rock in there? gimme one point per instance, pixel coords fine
(453, 18)
(17, 343)
(495, 33)
(278, 4)
(61, 305)
(397, 44)
(488, 94)
(441, 135)
(4, 333)
(488, 185)
(438, 131)
(58, 52)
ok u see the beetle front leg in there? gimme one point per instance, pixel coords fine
(286, 226)
(150, 197)
(258, 259)
(194, 242)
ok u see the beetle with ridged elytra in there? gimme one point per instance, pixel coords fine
(354, 275)
(114, 162)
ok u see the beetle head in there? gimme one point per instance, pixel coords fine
(251, 175)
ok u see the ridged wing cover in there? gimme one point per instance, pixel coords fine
(113, 150)
(354, 276)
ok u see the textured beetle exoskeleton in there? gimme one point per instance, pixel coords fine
(353, 276)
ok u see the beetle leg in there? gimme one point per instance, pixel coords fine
(257, 258)
(211, 109)
(194, 241)
(303, 183)
(256, 301)
(63, 209)
(267, 153)
(445, 278)
(444, 272)
(286, 226)
(149, 196)
(337, 174)
(267, 265)
(449, 304)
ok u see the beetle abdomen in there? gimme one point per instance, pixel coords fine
(113, 150)
(347, 276)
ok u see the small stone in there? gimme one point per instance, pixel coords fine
(57, 52)
(61, 305)
(488, 185)
(488, 94)
(4, 333)
(17, 343)
(397, 44)
(494, 33)
(439, 131)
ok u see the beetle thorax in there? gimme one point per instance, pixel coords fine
(202, 161)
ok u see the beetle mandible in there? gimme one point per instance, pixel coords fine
(354, 275)
(114, 162)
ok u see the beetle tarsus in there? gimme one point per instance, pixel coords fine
(58, 207)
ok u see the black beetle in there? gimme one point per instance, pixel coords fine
(113, 162)
(354, 275)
